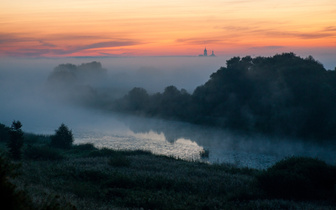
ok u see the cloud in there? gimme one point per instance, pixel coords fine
(267, 47)
(198, 41)
(330, 29)
(7, 38)
(18, 44)
(28, 52)
(241, 31)
(119, 43)
(46, 44)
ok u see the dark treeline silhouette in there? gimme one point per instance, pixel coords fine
(280, 95)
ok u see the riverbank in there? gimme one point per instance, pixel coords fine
(85, 177)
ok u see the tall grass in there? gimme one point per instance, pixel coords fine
(90, 178)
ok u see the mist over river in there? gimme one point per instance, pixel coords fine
(23, 98)
(177, 139)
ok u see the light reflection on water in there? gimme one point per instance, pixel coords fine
(151, 141)
(22, 85)
(185, 141)
(169, 138)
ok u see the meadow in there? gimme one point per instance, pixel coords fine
(85, 177)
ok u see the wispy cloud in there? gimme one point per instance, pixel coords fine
(23, 44)
(330, 29)
(118, 43)
(273, 32)
(199, 41)
(7, 38)
(46, 44)
(267, 47)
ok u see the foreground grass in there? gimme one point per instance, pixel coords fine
(85, 177)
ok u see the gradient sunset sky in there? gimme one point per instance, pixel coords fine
(42, 28)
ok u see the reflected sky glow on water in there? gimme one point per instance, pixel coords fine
(185, 141)
(177, 139)
(23, 95)
(150, 141)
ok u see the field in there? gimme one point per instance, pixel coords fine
(84, 177)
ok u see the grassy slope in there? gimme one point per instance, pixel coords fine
(88, 178)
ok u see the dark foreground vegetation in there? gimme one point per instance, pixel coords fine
(84, 177)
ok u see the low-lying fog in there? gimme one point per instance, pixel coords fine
(24, 97)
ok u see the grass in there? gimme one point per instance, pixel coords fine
(90, 178)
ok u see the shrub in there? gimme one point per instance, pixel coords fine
(299, 178)
(15, 142)
(119, 161)
(85, 147)
(31, 138)
(10, 198)
(42, 153)
(204, 153)
(4, 133)
(104, 152)
(63, 137)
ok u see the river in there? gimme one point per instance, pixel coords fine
(21, 85)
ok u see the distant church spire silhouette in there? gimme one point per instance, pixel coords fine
(205, 52)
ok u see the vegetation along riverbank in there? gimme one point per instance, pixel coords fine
(50, 176)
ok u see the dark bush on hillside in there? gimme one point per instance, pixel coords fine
(103, 153)
(42, 153)
(10, 198)
(299, 178)
(119, 161)
(63, 138)
(4, 133)
(31, 138)
(85, 147)
(15, 142)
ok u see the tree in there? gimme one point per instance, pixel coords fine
(63, 137)
(4, 133)
(15, 142)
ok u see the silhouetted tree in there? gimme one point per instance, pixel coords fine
(4, 133)
(63, 137)
(280, 95)
(15, 142)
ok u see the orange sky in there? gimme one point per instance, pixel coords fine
(41, 28)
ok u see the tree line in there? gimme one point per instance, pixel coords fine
(280, 95)
(14, 137)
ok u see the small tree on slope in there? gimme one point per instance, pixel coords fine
(63, 137)
(15, 142)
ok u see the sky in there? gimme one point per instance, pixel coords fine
(71, 28)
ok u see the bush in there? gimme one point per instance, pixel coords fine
(85, 147)
(299, 178)
(104, 152)
(119, 161)
(42, 153)
(15, 142)
(4, 133)
(63, 137)
(204, 153)
(30, 138)
(10, 198)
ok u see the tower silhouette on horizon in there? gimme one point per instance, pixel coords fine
(205, 53)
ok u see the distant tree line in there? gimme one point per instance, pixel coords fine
(14, 138)
(280, 95)
(74, 82)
